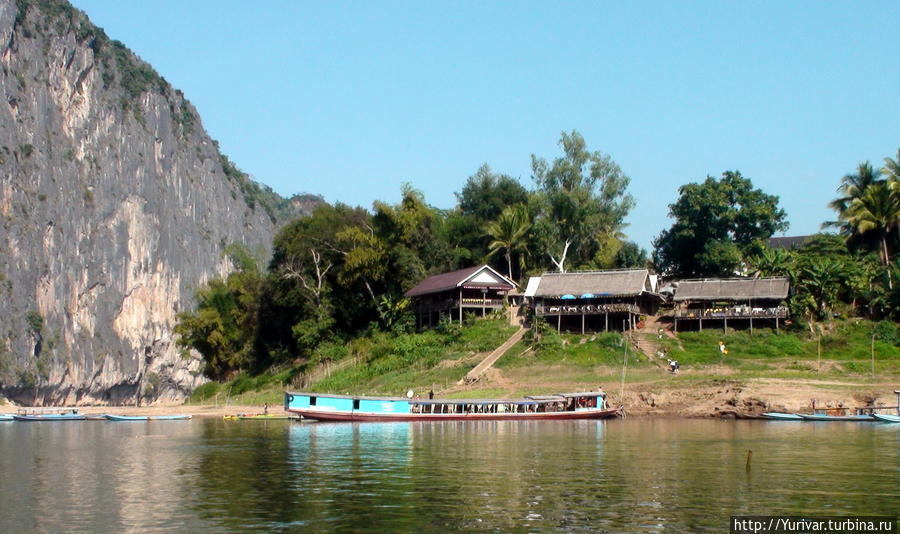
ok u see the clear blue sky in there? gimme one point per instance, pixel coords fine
(350, 100)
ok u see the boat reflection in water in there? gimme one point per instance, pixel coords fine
(584, 405)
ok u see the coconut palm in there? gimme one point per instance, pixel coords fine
(852, 187)
(892, 169)
(773, 262)
(876, 211)
(509, 233)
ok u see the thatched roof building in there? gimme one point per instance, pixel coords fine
(742, 289)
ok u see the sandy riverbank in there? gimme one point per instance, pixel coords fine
(722, 397)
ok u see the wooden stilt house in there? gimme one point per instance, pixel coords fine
(475, 290)
(596, 301)
(719, 302)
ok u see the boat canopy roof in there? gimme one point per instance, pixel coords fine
(581, 394)
(528, 400)
(333, 396)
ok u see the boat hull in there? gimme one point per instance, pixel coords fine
(779, 416)
(123, 418)
(884, 418)
(45, 418)
(817, 417)
(326, 415)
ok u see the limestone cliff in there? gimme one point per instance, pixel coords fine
(115, 206)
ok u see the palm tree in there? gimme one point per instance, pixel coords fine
(509, 233)
(852, 187)
(877, 210)
(892, 168)
(822, 280)
(773, 262)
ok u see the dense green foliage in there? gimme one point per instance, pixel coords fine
(338, 275)
(341, 272)
(717, 224)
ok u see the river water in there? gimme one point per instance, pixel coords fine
(656, 475)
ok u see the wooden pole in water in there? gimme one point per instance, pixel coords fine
(749, 457)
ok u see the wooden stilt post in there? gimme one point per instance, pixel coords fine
(460, 306)
(559, 322)
(582, 323)
(606, 321)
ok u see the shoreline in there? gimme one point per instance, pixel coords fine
(691, 397)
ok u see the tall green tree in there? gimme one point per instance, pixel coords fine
(581, 200)
(717, 224)
(509, 234)
(876, 211)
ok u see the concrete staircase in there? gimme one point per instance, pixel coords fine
(485, 364)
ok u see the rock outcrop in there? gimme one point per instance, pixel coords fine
(115, 205)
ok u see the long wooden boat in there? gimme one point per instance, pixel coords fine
(585, 405)
(258, 417)
(6, 417)
(781, 416)
(176, 417)
(50, 417)
(822, 417)
(885, 418)
(113, 417)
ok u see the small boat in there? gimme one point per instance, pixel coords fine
(50, 417)
(822, 417)
(780, 416)
(259, 417)
(885, 418)
(6, 417)
(113, 417)
(585, 405)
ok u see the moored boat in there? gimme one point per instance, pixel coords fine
(822, 417)
(50, 417)
(780, 416)
(113, 417)
(322, 407)
(258, 417)
(176, 417)
(885, 418)
(6, 417)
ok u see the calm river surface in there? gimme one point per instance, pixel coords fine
(615, 476)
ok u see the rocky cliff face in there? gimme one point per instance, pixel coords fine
(115, 206)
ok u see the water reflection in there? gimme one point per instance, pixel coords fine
(505, 476)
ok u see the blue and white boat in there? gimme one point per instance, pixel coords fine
(885, 418)
(324, 407)
(781, 416)
(6, 417)
(50, 417)
(823, 417)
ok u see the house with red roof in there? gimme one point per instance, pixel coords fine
(474, 290)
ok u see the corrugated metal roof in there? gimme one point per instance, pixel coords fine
(600, 283)
(733, 289)
(451, 280)
(532, 286)
(789, 242)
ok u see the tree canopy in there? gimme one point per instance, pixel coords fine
(717, 224)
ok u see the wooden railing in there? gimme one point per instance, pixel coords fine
(739, 312)
(586, 309)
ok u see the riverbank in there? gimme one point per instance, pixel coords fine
(199, 411)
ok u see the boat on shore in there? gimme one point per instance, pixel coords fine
(323, 407)
(49, 417)
(113, 417)
(885, 418)
(823, 417)
(259, 417)
(781, 416)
